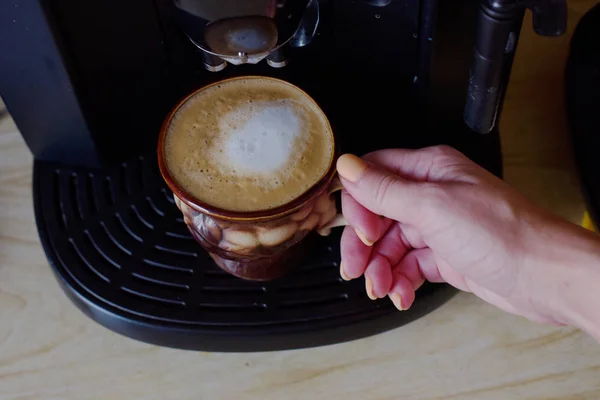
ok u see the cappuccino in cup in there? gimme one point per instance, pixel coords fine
(250, 161)
(248, 144)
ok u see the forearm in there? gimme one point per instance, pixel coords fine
(567, 275)
(580, 284)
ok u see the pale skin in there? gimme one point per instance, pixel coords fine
(434, 215)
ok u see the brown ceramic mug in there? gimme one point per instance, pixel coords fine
(264, 244)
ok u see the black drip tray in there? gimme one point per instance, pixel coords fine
(122, 253)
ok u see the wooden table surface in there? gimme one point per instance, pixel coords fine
(464, 350)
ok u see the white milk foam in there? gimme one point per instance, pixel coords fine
(261, 138)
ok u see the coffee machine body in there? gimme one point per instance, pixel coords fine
(89, 83)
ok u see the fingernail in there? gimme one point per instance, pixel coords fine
(343, 273)
(397, 300)
(363, 238)
(369, 288)
(350, 167)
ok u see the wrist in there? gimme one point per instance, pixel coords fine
(579, 302)
(566, 276)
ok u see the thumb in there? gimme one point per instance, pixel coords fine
(380, 191)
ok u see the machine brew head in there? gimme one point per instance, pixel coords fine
(247, 31)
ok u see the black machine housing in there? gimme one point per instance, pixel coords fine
(90, 82)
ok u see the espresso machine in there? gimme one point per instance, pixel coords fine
(89, 83)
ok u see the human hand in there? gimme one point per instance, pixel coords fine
(432, 214)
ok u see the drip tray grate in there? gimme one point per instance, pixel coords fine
(122, 253)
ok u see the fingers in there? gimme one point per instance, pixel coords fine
(358, 257)
(408, 277)
(355, 255)
(412, 236)
(380, 191)
(369, 227)
(378, 277)
(398, 240)
(389, 267)
(393, 245)
(413, 265)
(420, 265)
(356, 261)
(402, 294)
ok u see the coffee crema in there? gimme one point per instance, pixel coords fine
(248, 144)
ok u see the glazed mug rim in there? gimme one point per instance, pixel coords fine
(259, 215)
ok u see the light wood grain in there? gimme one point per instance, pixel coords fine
(537, 150)
(464, 350)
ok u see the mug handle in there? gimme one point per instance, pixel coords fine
(338, 220)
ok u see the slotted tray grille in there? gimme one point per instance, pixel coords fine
(121, 251)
